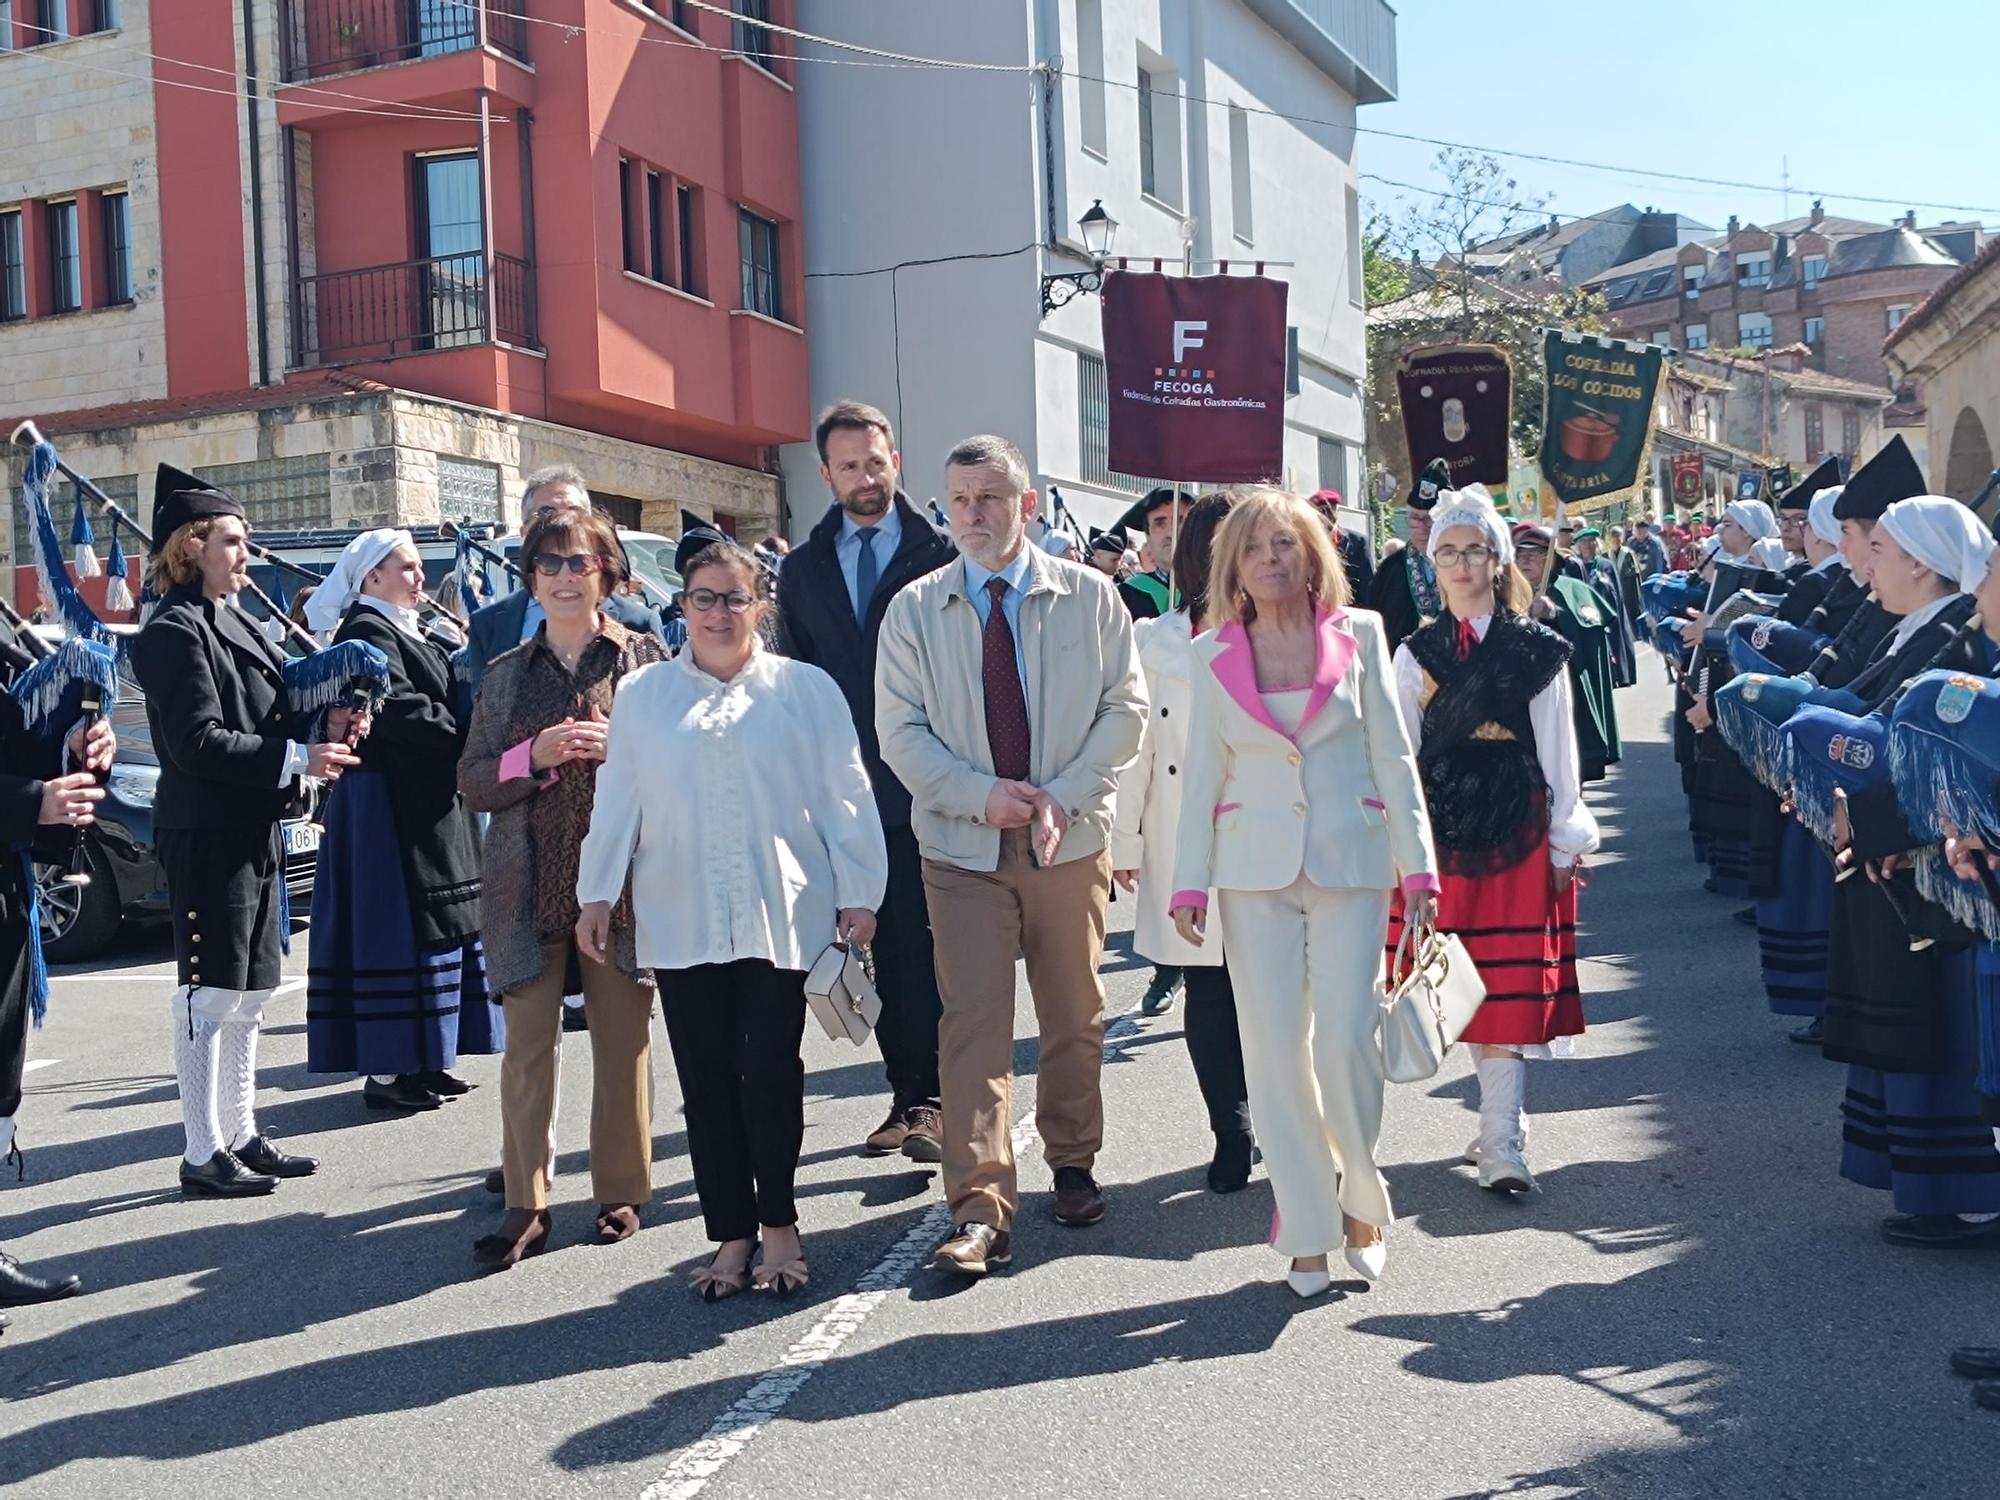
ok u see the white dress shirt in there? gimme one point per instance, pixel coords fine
(1572, 826)
(1911, 623)
(740, 810)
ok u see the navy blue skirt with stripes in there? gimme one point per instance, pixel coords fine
(1923, 1136)
(376, 1002)
(1792, 926)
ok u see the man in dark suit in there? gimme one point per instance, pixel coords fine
(1352, 546)
(833, 589)
(504, 624)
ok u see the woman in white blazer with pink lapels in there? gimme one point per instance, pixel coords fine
(1303, 809)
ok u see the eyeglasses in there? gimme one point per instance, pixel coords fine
(550, 564)
(703, 600)
(1451, 557)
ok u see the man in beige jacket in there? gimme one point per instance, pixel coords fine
(1007, 699)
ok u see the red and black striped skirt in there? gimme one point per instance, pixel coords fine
(1522, 936)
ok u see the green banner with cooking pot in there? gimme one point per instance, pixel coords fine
(1598, 421)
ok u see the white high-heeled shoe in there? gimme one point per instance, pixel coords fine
(1308, 1284)
(1369, 1261)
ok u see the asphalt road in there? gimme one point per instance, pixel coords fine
(1694, 1304)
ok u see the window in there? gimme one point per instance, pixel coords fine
(757, 239)
(1093, 400)
(1691, 281)
(1815, 430)
(1815, 330)
(1697, 336)
(65, 259)
(280, 492)
(656, 227)
(1664, 337)
(1815, 270)
(1896, 313)
(1850, 433)
(1357, 280)
(51, 23)
(468, 490)
(1159, 133)
(1753, 330)
(678, 14)
(1292, 361)
(13, 271)
(1092, 131)
(628, 217)
(1333, 465)
(451, 243)
(690, 266)
(7, 36)
(1239, 170)
(752, 40)
(117, 210)
(1754, 269)
(104, 15)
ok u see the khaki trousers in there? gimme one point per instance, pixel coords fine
(1055, 918)
(621, 1094)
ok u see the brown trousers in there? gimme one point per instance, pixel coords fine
(1055, 918)
(621, 1093)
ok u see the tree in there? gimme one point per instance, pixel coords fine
(1384, 277)
(1469, 295)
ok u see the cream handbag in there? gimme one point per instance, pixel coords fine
(1424, 1014)
(842, 995)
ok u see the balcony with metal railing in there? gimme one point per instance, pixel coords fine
(326, 38)
(413, 307)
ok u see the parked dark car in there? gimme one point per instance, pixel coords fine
(126, 884)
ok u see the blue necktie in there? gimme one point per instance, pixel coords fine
(864, 573)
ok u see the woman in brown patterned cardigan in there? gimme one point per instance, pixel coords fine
(531, 759)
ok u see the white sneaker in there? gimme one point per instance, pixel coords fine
(1472, 1153)
(1369, 1261)
(1308, 1284)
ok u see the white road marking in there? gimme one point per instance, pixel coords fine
(693, 1467)
(289, 987)
(40, 1062)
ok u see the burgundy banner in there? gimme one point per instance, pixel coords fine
(1195, 372)
(1458, 405)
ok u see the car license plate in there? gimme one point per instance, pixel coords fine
(301, 838)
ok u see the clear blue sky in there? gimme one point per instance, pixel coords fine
(1863, 97)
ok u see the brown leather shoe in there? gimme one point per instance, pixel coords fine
(973, 1250)
(523, 1233)
(616, 1221)
(888, 1137)
(1079, 1200)
(925, 1138)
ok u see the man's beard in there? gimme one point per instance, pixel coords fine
(863, 503)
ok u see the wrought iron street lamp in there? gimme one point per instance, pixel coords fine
(1099, 230)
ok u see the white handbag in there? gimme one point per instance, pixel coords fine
(842, 995)
(1424, 1014)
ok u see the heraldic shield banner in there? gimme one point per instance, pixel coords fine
(1195, 371)
(1458, 404)
(1598, 420)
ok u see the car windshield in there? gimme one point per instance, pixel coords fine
(128, 722)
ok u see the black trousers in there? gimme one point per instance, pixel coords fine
(1216, 1047)
(906, 977)
(735, 1030)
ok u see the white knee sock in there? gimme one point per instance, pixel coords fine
(6, 1135)
(196, 1045)
(236, 1086)
(1503, 1124)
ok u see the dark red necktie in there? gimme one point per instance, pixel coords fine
(1006, 704)
(1468, 640)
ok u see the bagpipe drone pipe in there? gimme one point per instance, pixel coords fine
(352, 674)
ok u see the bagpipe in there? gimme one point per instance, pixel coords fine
(352, 674)
(1667, 597)
(1944, 758)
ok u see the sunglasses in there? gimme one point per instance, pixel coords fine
(550, 564)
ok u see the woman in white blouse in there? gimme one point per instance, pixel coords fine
(734, 795)
(1485, 692)
(1301, 809)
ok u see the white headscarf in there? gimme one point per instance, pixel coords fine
(342, 586)
(1944, 536)
(1472, 506)
(1769, 554)
(1820, 515)
(1754, 516)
